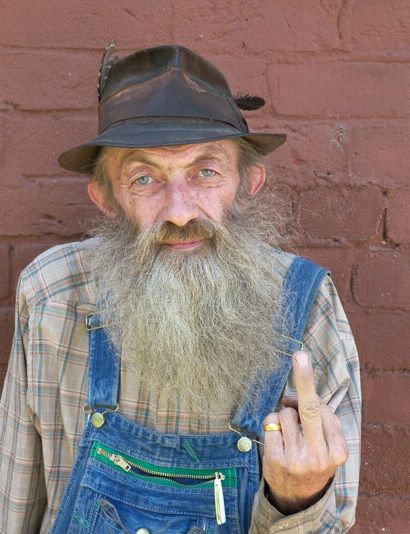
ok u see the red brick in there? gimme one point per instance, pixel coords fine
(260, 27)
(314, 152)
(34, 142)
(340, 213)
(212, 26)
(398, 220)
(384, 467)
(382, 338)
(6, 333)
(382, 279)
(2, 137)
(61, 207)
(381, 28)
(386, 398)
(91, 24)
(41, 80)
(340, 89)
(4, 271)
(380, 513)
(379, 152)
(339, 261)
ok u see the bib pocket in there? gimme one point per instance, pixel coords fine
(134, 494)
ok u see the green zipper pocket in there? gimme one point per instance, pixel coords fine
(170, 476)
(166, 476)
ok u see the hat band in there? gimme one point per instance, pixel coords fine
(183, 98)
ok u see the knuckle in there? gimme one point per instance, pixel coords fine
(310, 409)
(296, 468)
(317, 464)
(340, 454)
(287, 413)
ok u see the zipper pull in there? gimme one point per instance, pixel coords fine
(219, 499)
(119, 460)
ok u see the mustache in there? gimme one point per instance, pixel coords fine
(194, 230)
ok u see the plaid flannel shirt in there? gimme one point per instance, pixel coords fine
(41, 410)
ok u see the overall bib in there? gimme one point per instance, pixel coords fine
(129, 479)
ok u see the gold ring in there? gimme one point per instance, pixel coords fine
(272, 426)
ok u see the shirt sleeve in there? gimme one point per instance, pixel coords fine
(329, 340)
(22, 486)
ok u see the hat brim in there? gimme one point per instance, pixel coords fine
(144, 134)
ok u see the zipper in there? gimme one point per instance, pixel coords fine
(127, 465)
(217, 478)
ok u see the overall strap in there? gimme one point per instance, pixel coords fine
(104, 367)
(300, 286)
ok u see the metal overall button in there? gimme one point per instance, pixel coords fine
(142, 531)
(97, 419)
(244, 444)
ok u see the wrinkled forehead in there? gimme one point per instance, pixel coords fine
(225, 152)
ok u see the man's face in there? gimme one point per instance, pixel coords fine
(185, 271)
(175, 184)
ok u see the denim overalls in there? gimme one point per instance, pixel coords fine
(129, 479)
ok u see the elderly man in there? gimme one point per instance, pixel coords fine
(177, 372)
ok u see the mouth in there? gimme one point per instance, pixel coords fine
(183, 245)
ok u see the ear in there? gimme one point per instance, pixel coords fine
(256, 178)
(99, 199)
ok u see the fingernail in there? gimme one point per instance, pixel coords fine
(302, 358)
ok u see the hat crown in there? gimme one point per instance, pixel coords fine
(150, 63)
(164, 96)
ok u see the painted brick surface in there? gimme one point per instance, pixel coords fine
(377, 514)
(378, 350)
(379, 152)
(382, 470)
(39, 138)
(339, 213)
(84, 25)
(341, 89)
(7, 328)
(394, 388)
(398, 219)
(4, 270)
(259, 26)
(381, 279)
(380, 28)
(335, 76)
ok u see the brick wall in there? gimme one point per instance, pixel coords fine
(335, 74)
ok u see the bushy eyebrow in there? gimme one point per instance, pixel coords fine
(140, 157)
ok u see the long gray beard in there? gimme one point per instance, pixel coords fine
(195, 327)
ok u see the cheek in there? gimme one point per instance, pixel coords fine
(142, 210)
(215, 204)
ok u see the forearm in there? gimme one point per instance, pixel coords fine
(22, 486)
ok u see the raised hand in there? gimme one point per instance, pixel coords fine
(304, 446)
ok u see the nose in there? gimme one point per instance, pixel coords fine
(180, 206)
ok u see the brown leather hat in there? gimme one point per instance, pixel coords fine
(162, 96)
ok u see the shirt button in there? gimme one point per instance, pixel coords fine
(142, 531)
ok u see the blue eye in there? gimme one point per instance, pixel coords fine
(207, 173)
(144, 180)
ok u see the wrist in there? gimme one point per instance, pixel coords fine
(292, 505)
